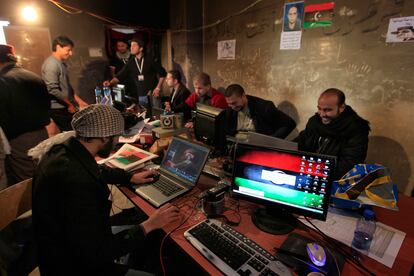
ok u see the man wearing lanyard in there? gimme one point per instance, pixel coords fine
(143, 70)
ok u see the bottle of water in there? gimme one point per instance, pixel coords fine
(98, 94)
(364, 231)
(108, 95)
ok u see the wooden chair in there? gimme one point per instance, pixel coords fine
(14, 201)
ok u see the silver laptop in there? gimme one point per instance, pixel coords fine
(257, 139)
(179, 172)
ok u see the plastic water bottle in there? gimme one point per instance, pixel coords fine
(108, 95)
(98, 94)
(364, 231)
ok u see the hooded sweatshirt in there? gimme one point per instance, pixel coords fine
(346, 137)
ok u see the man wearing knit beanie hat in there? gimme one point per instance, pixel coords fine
(70, 201)
(24, 114)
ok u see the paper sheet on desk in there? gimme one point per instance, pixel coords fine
(134, 132)
(340, 225)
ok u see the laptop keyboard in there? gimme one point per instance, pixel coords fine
(166, 188)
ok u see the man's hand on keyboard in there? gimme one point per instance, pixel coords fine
(143, 177)
(165, 215)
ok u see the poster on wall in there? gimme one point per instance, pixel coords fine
(226, 49)
(292, 26)
(401, 29)
(319, 15)
(290, 40)
(292, 16)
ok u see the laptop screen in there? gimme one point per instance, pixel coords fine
(185, 159)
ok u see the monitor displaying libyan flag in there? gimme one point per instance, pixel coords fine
(318, 15)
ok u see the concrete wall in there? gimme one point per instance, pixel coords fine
(351, 55)
(86, 32)
(187, 46)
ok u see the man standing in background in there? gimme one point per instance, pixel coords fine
(121, 56)
(64, 101)
(24, 114)
(143, 70)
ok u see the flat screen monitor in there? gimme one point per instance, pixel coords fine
(209, 126)
(118, 92)
(285, 181)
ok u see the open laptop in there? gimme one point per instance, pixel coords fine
(257, 139)
(179, 172)
(254, 138)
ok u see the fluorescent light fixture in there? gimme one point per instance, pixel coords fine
(124, 31)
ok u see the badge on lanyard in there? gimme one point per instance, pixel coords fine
(140, 67)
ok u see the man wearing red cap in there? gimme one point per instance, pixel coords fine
(24, 106)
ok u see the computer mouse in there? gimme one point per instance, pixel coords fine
(316, 253)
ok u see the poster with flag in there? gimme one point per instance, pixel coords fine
(319, 15)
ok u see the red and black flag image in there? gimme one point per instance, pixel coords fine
(319, 15)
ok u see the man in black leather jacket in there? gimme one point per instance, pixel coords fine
(336, 129)
(249, 113)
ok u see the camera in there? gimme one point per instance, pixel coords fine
(167, 121)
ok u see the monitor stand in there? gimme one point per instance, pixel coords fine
(274, 220)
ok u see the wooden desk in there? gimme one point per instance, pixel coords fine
(401, 220)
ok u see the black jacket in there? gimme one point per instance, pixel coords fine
(151, 70)
(181, 94)
(267, 119)
(24, 101)
(346, 137)
(71, 214)
(117, 63)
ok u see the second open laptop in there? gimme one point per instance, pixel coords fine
(179, 172)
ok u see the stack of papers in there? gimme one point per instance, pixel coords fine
(341, 225)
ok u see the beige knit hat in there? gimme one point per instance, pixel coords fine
(98, 120)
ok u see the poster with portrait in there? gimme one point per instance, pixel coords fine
(401, 29)
(293, 16)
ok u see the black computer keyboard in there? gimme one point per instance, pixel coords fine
(232, 252)
(166, 188)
